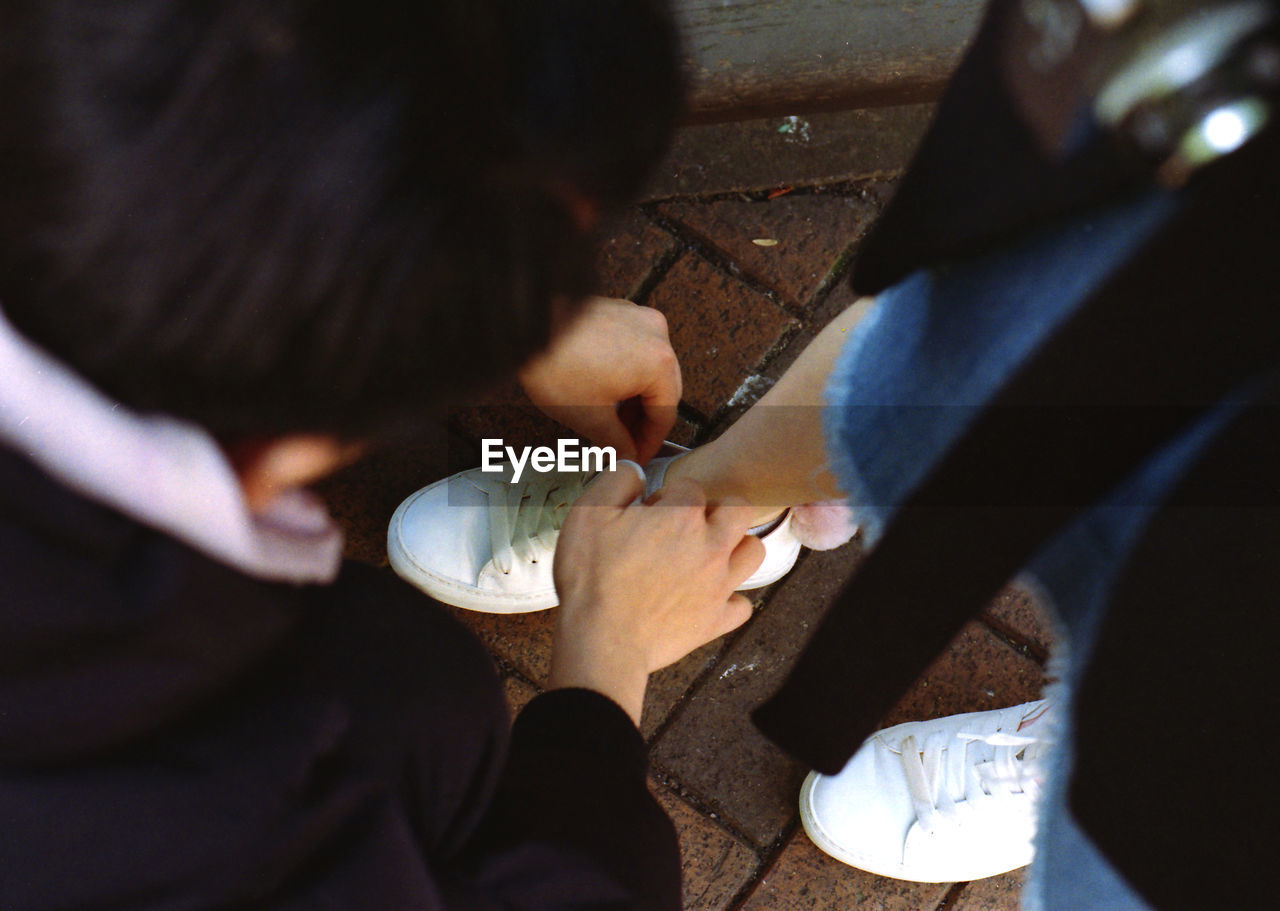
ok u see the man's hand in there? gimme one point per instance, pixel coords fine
(611, 375)
(642, 585)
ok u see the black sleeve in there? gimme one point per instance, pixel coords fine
(572, 825)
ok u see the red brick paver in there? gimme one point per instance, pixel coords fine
(721, 329)
(792, 244)
(805, 879)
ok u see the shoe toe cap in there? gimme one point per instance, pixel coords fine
(439, 540)
(441, 532)
(861, 815)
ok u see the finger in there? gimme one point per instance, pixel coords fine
(681, 492)
(730, 518)
(604, 427)
(736, 611)
(651, 427)
(745, 559)
(614, 488)
(665, 385)
(712, 622)
(658, 404)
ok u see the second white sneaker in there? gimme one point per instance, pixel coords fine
(948, 800)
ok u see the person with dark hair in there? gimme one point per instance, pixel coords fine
(256, 201)
(240, 241)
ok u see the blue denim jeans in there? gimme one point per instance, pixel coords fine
(933, 350)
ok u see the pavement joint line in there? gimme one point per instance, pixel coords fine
(507, 668)
(703, 807)
(839, 272)
(672, 781)
(952, 898)
(729, 412)
(770, 857)
(841, 186)
(703, 247)
(657, 270)
(1014, 640)
(695, 417)
(708, 672)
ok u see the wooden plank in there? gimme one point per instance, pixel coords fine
(764, 57)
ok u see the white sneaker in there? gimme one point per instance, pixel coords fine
(949, 800)
(478, 541)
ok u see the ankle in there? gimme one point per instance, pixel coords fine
(700, 465)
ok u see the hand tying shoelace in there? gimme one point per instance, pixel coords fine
(477, 541)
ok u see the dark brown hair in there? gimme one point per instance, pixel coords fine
(278, 215)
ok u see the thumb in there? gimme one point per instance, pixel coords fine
(732, 614)
(614, 488)
(648, 423)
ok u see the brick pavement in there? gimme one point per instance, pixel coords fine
(740, 311)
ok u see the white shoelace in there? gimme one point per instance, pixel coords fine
(525, 517)
(978, 766)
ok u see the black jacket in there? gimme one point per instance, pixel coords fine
(176, 735)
